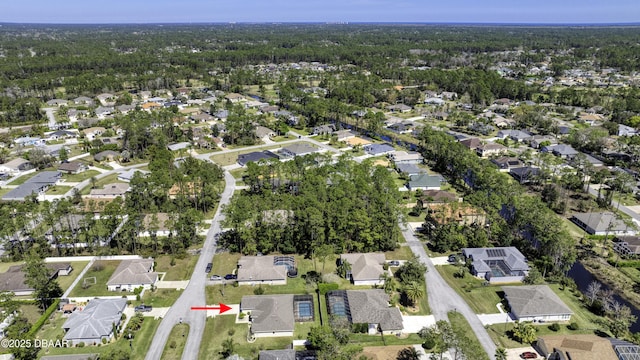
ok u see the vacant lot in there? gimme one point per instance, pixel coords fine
(181, 269)
(481, 298)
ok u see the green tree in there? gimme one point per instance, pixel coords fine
(38, 276)
(524, 332)
(501, 354)
(228, 347)
(411, 271)
(414, 291)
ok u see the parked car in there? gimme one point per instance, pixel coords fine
(143, 308)
(529, 355)
(209, 267)
(230, 277)
(216, 277)
(452, 258)
(394, 263)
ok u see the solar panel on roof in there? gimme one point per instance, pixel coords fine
(496, 252)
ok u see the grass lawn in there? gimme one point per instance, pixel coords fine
(66, 281)
(177, 340)
(181, 270)
(281, 138)
(482, 299)
(220, 328)
(159, 298)
(81, 176)
(4, 191)
(225, 263)
(58, 190)
(102, 271)
(139, 346)
(377, 340)
(472, 345)
(31, 311)
(4, 266)
(401, 253)
(586, 320)
(238, 173)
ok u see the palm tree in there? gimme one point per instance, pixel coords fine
(501, 354)
(413, 291)
(389, 284)
(409, 353)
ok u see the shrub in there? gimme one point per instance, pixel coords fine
(173, 344)
(231, 332)
(429, 344)
(325, 288)
(172, 262)
(573, 326)
(104, 340)
(81, 345)
(258, 291)
(97, 267)
(241, 315)
(554, 327)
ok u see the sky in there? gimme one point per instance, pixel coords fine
(422, 11)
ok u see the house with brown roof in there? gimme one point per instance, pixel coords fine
(366, 268)
(132, 274)
(110, 191)
(14, 279)
(471, 143)
(72, 167)
(437, 197)
(583, 347)
(490, 149)
(255, 270)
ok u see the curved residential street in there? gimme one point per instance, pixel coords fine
(194, 294)
(442, 298)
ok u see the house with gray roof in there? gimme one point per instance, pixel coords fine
(537, 303)
(378, 149)
(410, 169)
(624, 130)
(37, 185)
(255, 156)
(424, 182)
(179, 146)
(83, 100)
(262, 132)
(112, 190)
(16, 166)
(72, 167)
(490, 149)
(126, 176)
(298, 149)
(403, 157)
(500, 264)
(366, 268)
(288, 354)
(366, 307)
(399, 108)
(269, 315)
(602, 223)
(561, 150)
(57, 102)
(95, 322)
(505, 163)
(132, 274)
(324, 129)
(108, 155)
(525, 174)
(516, 135)
(255, 270)
(14, 279)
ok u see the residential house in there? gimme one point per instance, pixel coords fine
(403, 157)
(269, 315)
(72, 167)
(95, 322)
(83, 100)
(264, 132)
(502, 122)
(536, 141)
(255, 270)
(378, 149)
(57, 102)
(14, 279)
(255, 156)
(561, 150)
(434, 101)
(298, 149)
(437, 197)
(624, 130)
(449, 95)
(324, 129)
(201, 117)
(401, 127)
(602, 223)
(75, 114)
(151, 105)
(490, 149)
(159, 224)
(484, 129)
(29, 141)
(410, 169)
(525, 174)
(103, 111)
(269, 109)
(345, 134)
(500, 264)
(402, 108)
(366, 269)
(627, 246)
(537, 303)
(107, 155)
(506, 163)
(107, 99)
(424, 182)
(516, 135)
(133, 274)
(16, 166)
(37, 185)
(61, 135)
(366, 307)
(110, 191)
(127, 175)
(583, 347)
(234, 98)
(179, 146)
(471, 143)
(125, 109)
(93, 132)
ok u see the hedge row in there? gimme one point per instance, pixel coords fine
(47, 314)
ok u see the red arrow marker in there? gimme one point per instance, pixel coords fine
(223, 308)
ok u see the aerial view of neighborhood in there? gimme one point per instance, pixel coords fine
(330, 191)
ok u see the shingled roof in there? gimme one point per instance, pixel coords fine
(134, 272)
(260, 268)
(365, 266)
(372, 307)
(534, 300)
(269, 313)
(96, 320)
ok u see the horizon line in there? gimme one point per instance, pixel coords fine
(337, 22)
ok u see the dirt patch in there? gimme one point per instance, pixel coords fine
(383, 352)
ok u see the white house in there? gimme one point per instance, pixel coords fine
(132, 274)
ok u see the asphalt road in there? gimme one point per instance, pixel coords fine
(194, 294)
(442, 298)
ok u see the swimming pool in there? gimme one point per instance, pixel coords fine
(303, 308)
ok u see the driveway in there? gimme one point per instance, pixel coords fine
(413, 324)
(514, 354)
(172, 284)
(440, 260)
